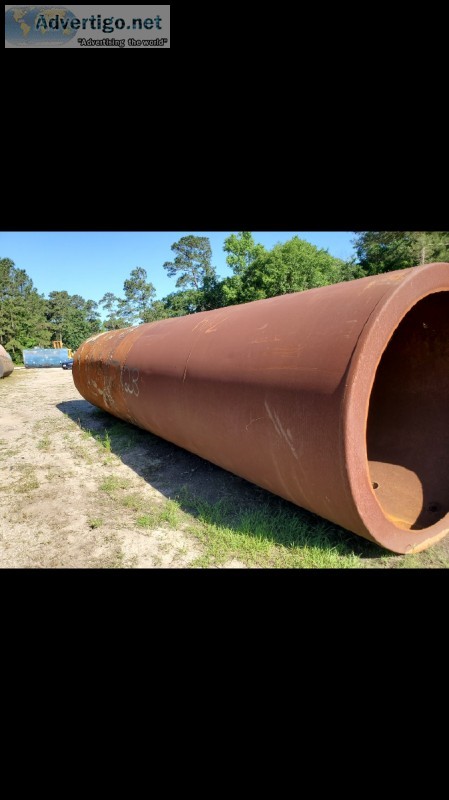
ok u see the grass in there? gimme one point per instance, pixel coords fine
(252, 527)
(116, 437)
(120, 561)
(28, 480)
(30, 484)
(113, 482)
(275, 535)
(95, 523)
(45, 426)
(266, 537)
(44, 444)
(133, 501)
(113, 440)
(123, 436)
(81, 452)
(428, 558)
(102, 438)
(8, 453)
(169, 514)
(147, 521)
(271, 534)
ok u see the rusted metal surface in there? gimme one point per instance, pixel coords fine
(6, 363)
(336, 399)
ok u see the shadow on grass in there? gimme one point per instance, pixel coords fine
(215, 496)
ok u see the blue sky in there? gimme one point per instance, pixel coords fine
(93, 263)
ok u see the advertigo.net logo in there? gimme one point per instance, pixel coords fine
(87, 26)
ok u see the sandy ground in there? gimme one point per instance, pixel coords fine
(53, 510)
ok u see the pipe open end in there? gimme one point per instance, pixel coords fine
(408, 419)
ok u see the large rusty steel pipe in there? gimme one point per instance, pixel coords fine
(6, 363)
(336, 399)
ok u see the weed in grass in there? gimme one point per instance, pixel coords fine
(8, 453)
(95, 523)
(170, 513)
(29, 483)
(102, 438)
(112, 483)
(147, 521)
(123, 436)
(81, 452)
(119, 561)
(44, 444)
(133, 501)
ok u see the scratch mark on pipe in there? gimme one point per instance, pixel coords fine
(185, 368)
(199, 324)
(286, 435)
(252, 421)
(206, 323)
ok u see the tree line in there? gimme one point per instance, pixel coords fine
(28, 319)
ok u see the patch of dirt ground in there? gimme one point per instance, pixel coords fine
(66, 500)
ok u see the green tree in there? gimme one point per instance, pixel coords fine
(135, 306)
(192, 263)
(23, 322)
(72, 318)
(383, 251)
(428, 246)
(156, 310)
(138, 295)
(351, 270)
(114, 320)
(294, 266)
(196, 277)
(242, 251)
(178, 304)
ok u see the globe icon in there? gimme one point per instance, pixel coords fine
(28, 26)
